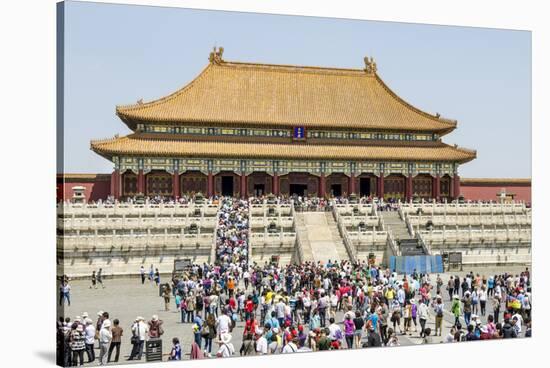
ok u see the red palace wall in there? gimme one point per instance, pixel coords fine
(98, 186)
(488, 192)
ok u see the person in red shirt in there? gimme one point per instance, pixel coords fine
(249, 336)
(406, 286)
(233, 304)
(248, 308)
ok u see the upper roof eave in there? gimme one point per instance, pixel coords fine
(132, 114)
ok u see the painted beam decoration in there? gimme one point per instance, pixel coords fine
(286, 166)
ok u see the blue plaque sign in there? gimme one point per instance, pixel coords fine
(299, 132)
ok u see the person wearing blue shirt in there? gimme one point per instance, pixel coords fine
(197, 330)
(175, 354)
(373, 318)
(274, 322)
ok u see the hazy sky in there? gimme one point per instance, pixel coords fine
(117, 54)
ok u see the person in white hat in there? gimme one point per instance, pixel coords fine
(155, 327)
(139, 331)
(89, 336)
(77, 344)
(261, 343)
(226, 347)
(105, 337)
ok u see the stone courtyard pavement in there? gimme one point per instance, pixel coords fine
(127, 298)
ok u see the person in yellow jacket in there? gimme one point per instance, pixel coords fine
(269, 296)
(390, 295)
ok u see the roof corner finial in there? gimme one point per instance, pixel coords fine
(370, 65)
(216, 55)
(437, 115)
(140, 101)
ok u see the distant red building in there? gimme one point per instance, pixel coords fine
(98, 186)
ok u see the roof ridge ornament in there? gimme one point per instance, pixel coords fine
(216, 55)
(370, 65)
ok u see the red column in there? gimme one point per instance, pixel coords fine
(351, 183)
(381, 185)
(436, 187)
(322, 183)
(275, 185)
(115, 184)
(141, 182)
(244, 193)
(456, 186)
(210, 184)
(409, 187)
(176, 184)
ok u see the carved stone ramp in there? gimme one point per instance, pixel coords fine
(316, 235)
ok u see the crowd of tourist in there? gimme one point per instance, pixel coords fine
(304, 307)
(232, 232)
(311, 307)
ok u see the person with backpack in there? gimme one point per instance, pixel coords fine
(155, 327)
(508, 330)
(438, 309)
(335, 332)
(467, 307)
(396, 315)
(249, 333)
(139, 331)
(190, 307)
(209, 332)
(226, 348)
(292, 346)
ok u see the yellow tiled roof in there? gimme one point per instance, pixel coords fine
(136, 145)
(247, 94)
(83, 176)
(496, 181)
